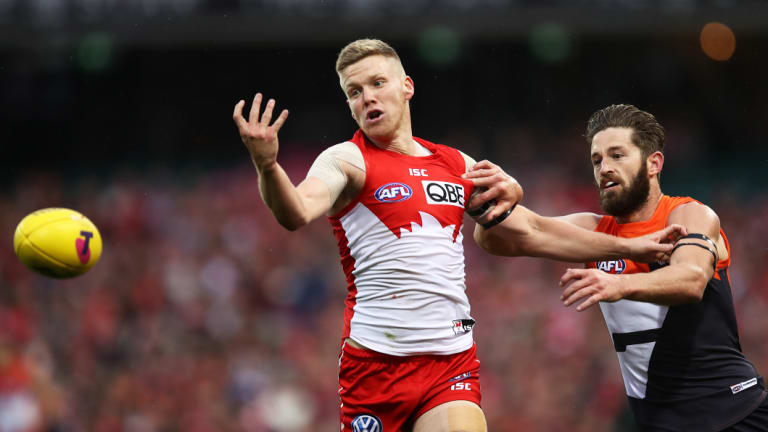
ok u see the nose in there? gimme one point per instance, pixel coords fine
(368, 94)
(605, 167)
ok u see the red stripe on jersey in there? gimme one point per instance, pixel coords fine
(348, 265)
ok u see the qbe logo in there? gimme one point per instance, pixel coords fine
(615, 267)
(367, 423)
(443, 193)
(393, 192)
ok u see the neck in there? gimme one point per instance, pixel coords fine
(645, 211)
(400, 140)
(401, 144)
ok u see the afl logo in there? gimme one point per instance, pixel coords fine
(393, 192)
(615, 267)
(367, 423)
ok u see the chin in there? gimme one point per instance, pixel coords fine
(608, 196)
(378, 132)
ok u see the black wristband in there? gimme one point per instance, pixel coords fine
(714, 255)
(482, 209)
(500, 218)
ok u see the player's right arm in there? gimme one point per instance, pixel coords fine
(292, 206)
(567, 238)
(526, 233)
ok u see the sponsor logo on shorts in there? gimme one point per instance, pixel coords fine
(367, 423)
(615, 267)
(743, 385)
(463, 326)
(463, 376)
(462, 386)
(443, 193)
(393, 192)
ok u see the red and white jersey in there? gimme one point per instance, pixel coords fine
(401, 249)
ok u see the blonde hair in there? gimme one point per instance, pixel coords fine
(362, 48)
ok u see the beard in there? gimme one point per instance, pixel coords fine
(621, 204)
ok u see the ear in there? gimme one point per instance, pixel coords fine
(408, 87)
(655, 162)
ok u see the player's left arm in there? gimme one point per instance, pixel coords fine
(691, 266)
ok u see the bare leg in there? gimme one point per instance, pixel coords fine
(454, 416)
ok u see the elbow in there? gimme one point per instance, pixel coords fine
(293, 224)
(698, 280)
(697, 292)
(291, 227)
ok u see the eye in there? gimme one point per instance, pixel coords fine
(596, 162)
(378, 83)
(352, 93)
(618, 155)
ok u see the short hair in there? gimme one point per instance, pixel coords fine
(647, 133)
(362, 48)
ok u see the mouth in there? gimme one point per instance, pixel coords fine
(374, 116)
(608, 184)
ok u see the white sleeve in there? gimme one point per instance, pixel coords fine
(327, 166)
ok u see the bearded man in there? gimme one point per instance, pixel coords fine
(673, 325)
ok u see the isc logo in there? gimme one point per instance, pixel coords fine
(393, 192)
(461, 386)
(616, 267)
(444, 193)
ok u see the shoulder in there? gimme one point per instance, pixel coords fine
(696, 218)
(469, 162)
(342, 147)
(346, 151)
(457, 158)
(695, 214)
(585, 220)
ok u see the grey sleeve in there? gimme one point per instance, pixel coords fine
(328, 168)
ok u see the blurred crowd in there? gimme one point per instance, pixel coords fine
(205, 315)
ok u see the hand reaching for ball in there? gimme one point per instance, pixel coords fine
(495, 192)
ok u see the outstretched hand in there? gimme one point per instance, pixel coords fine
(499, 186)
(657, 246)
(259, 137)
(592, 284)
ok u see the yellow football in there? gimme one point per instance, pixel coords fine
(57, 242)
